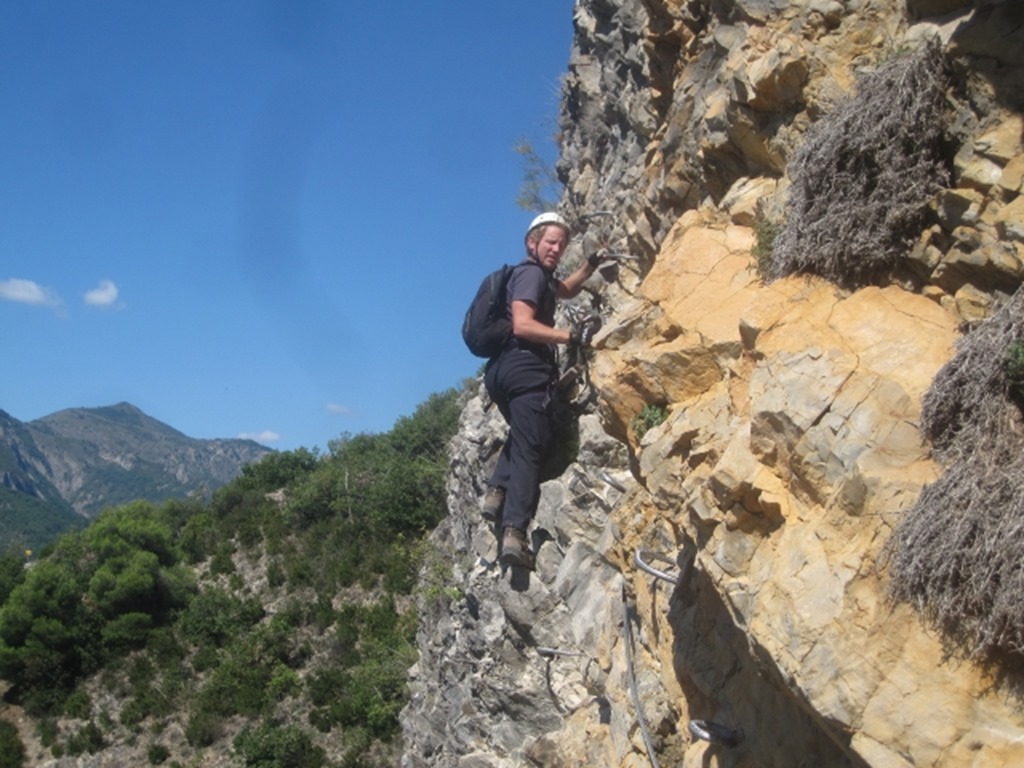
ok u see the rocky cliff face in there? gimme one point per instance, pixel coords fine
(726, 567)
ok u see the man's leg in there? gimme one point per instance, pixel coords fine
(494, 500)
(528, 441)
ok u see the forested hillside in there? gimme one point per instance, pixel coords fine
(273, 625)
(73, 464)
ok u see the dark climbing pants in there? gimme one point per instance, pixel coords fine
(519, 383)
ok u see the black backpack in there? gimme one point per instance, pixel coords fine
(487, 328)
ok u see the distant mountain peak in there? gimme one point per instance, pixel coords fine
(88, 459)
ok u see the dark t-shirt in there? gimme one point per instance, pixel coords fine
(533, 284)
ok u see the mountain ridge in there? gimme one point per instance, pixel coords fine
(66, 467)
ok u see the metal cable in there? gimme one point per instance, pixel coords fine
(612, 481)
(556, 652)
(716, 733)
(627, 632)
(643, 566)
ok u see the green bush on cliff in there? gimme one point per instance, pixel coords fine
(275, 746)
(651, 416)
(1013, 366)
(766, 230)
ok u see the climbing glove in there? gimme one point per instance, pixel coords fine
(584, 331)
(597, 258)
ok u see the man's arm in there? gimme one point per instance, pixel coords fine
(573, 284)
(526, 326)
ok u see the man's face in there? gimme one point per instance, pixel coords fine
(549, 246)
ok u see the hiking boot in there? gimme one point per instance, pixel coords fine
(494, 502)
(515, 550)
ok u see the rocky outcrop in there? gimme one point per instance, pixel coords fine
(790, 445)
(785, 476)
(506, 656)
(673, 104)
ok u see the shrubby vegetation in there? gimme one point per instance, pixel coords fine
(651, 416)
(1013, 367)
(541, 188)
(766, 230)
(12, 751)
(28, 523)
(864, 176)
(98, 594)
(12, 573)
(956, 556)
(149, 601)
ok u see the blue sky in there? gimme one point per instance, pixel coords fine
(260, 218)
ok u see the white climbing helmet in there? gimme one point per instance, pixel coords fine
(550, 217)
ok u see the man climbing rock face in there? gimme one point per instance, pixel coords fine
(520, 380)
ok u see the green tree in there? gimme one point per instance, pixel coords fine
(12, 573)
(272, 746)
(215, 616)
(279, 470)
(49, 635)
(97, 594)
(12, 751)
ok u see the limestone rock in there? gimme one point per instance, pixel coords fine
(1010, 221)
(786, 495)
(790, 444)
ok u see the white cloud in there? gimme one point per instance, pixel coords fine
(103, 295)
(266, 436)
(340, 410)
(28, 292)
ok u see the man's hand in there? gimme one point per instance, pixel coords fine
(584, 331)
(597, 258)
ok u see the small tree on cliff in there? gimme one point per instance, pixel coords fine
(541, 188)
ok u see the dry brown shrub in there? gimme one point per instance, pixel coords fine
(865, 173)
(958, 554)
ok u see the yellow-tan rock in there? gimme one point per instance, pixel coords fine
(790, 469)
